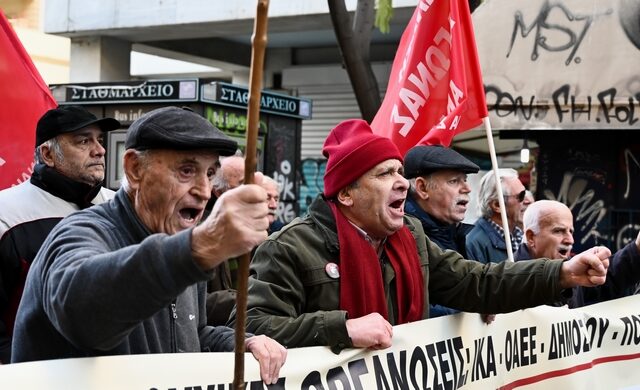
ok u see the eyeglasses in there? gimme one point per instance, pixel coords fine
(520, 195)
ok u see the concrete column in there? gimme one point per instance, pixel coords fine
(275, 61)
(95, 59)
(240, 77)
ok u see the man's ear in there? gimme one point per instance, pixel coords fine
(495, 206)
(421, 188)
(47, 155)
(344, 197)
(529, 235)
(133, 168)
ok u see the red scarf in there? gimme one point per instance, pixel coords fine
(361, 285)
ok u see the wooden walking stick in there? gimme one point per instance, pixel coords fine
(258, 43)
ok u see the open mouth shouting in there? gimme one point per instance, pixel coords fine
(564, 251)
(189, 216)
(397, 206)
(462, 203)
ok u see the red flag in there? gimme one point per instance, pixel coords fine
(24, 97)
(435, 89)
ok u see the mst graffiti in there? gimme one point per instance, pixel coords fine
(553, 35)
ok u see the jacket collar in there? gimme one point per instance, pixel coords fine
(63, 187)
(522, 253)
(443, 234)
(321, 214)
(127, 213)
(493, 235)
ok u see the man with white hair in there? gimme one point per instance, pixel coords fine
(548, 230)
(273, 199)
(229, 176)
(485, 242)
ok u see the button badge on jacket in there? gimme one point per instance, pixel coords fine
(332, 270)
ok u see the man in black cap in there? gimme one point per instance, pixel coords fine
(438, 197)
(67, 177)
(129, 276)
(439, 193)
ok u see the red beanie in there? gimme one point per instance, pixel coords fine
(352, 149)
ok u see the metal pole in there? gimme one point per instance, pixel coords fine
(259, 43)
(503, 210)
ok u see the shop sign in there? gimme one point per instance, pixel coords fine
(148, 91)
(270, 102)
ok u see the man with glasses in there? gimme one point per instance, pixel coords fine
(485, 242)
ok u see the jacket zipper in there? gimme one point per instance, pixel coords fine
(174, 317)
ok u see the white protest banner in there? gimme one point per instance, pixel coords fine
(595, 347)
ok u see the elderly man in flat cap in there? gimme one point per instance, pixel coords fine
(356, 265)
(129, 276)
(439, 193)
(438, 197)
(67, 177)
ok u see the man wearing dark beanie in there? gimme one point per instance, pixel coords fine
(356, 265)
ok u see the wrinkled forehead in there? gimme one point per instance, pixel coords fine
(513, 184)
(556, 217)
(204, 156)
(270, 186)
(447, 174)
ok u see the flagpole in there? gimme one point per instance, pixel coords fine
(494, 165)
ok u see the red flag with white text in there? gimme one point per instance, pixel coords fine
(24, 97)
(435, 88)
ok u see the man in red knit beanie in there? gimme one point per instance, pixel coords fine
(342, 275)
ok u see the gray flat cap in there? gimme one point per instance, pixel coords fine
(179, 129)
(422, 160)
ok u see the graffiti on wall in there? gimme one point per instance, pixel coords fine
(281, 160)
(587, 208)
(312, 183)
(629, 11)
(605, 108)
(628, 217)
(561, 63)
(564, 34)
(597, 181)
(286, 211)
(582, 178)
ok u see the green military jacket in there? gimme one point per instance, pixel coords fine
(293, 296)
